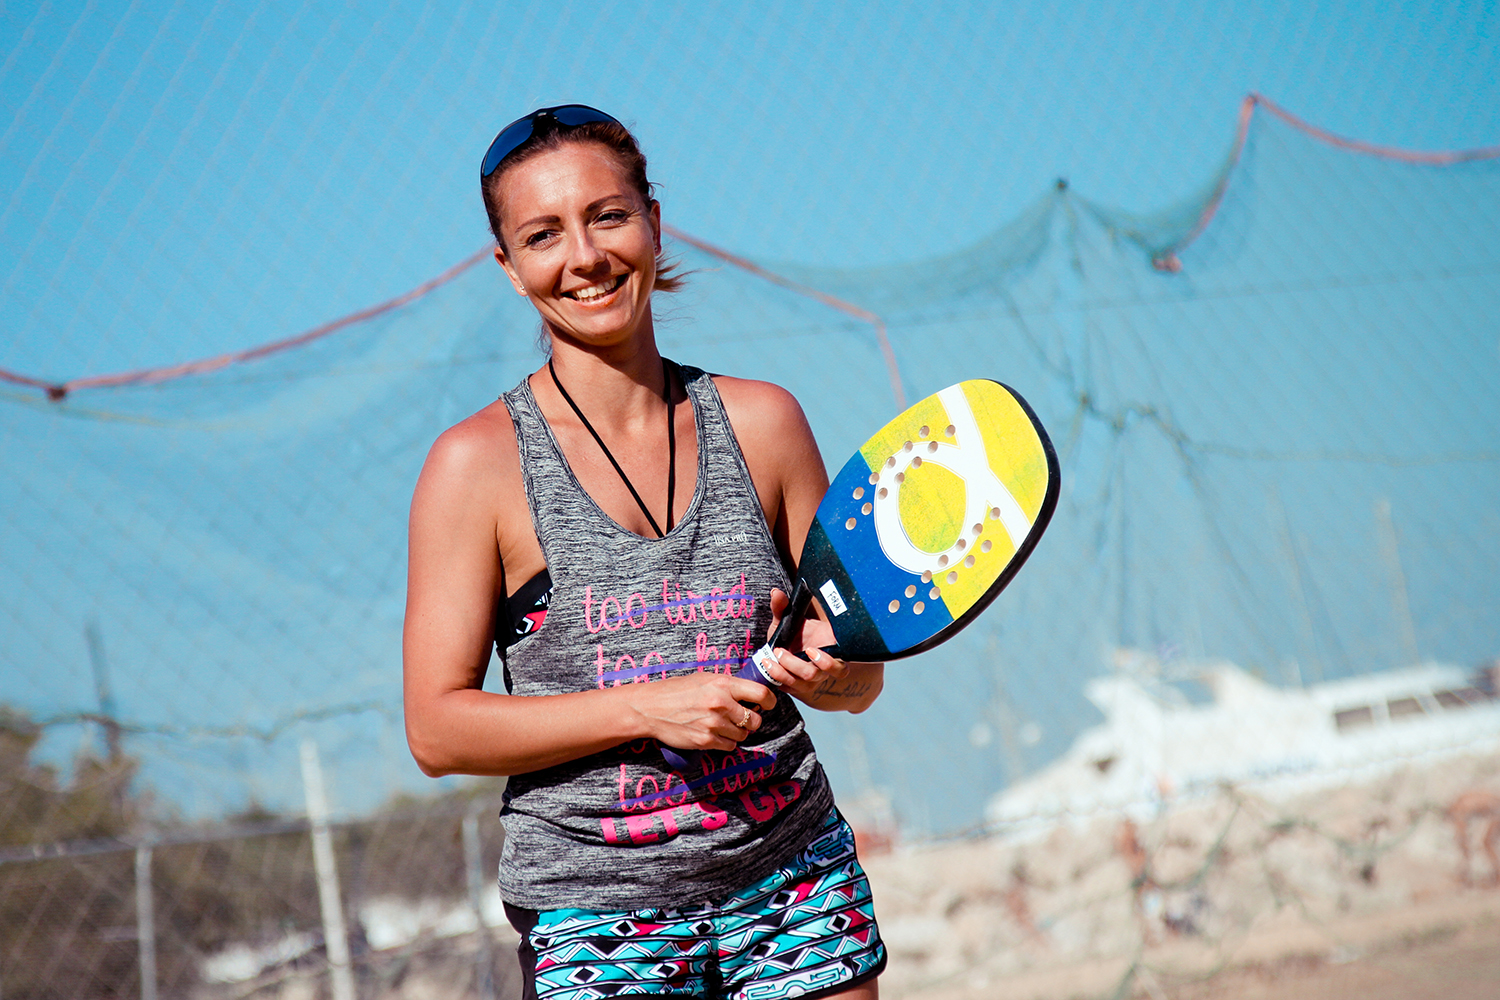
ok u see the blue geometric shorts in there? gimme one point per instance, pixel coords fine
(806, 930)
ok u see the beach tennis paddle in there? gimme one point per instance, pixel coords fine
(921, 529)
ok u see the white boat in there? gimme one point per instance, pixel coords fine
(1155, 747)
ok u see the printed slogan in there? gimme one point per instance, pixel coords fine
(656, 806)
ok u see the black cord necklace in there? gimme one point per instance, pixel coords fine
(671, 445)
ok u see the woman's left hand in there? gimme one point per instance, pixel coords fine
(822, 681)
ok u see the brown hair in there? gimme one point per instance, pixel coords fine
(618, 142)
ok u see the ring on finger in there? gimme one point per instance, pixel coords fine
(745, 722)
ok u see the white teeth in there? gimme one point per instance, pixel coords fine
(595, 291)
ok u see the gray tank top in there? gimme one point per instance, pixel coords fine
(618, 830)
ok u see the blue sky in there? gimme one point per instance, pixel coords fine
(181, 183)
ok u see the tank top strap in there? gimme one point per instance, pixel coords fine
(715, 434)
(544, 470)
(562, 509)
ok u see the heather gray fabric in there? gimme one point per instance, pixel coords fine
(618, 830)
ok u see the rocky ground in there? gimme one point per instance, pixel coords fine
(1228, 897)
(1362, 891)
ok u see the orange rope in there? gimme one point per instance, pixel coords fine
(1438, 158)
(148, 376)
(1167, 260)
(892, 369)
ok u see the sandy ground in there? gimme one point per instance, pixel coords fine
(1461, 964)
(1448, 948)
(1356, 891)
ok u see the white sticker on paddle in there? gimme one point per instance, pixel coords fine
(833, 598)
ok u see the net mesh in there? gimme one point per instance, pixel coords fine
(1274, 404)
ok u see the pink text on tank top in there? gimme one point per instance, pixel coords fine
(657, 808)
(622, 663)
(716, 605)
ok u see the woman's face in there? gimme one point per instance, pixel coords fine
(581, 243)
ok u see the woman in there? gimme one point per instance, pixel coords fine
(621, 527)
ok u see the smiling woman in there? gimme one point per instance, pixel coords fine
(581, 244)
(570, 125)
(541, 523)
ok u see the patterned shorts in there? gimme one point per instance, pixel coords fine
(806, 930)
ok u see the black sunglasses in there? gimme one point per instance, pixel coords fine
(541, 121)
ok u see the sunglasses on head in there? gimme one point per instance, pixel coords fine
(521, 131)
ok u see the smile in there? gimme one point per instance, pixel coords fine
(592, 292)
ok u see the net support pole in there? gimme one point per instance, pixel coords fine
(145, 921)
(335, 937)
(484, 968)
(1390, 551)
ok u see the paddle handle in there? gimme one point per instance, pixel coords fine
(790, 625)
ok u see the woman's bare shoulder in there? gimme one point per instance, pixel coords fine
(481, 446)
(775, 438)
(472, 481)
(471, 497)
(761, 409)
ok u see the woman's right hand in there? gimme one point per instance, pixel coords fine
(699, 711)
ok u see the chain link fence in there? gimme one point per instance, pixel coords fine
(256, 904)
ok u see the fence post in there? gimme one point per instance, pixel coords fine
(145, 921)
(335, 938)
(474, 865)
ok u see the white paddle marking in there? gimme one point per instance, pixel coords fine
(984, 493)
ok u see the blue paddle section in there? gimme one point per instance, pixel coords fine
(858, 638)
(866, 574)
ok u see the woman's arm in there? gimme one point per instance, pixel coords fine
(791, 479)
(469, 508)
